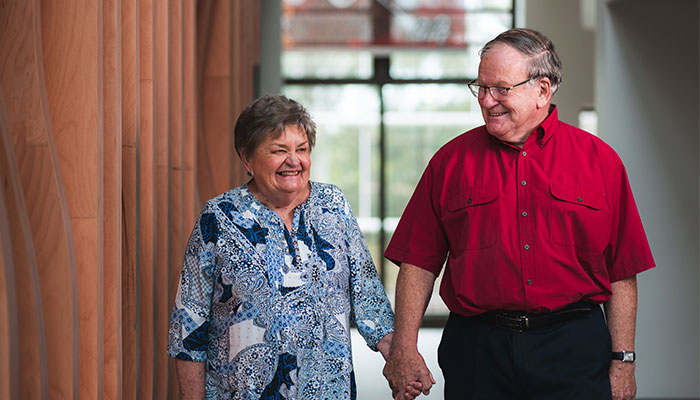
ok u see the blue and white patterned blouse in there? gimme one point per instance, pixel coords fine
(269, 310)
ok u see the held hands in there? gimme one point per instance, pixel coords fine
(622, 382)
(407, 374)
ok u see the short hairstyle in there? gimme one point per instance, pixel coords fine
(544, 61)
(268, 116)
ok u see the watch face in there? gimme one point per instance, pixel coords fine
(628, 356)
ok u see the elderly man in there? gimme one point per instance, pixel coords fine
(539, 227)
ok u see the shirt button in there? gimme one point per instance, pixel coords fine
(526, 247)
(524, 153)
(529, 281)
(524, 214)
(523, 183)
(580, 199)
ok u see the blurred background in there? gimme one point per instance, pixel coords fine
(116, 120)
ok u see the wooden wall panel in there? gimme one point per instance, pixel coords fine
(162, 116)
(191, 204)
(9, 381)
(130, 198)
(31, 368)
(22, 82)
(9, 324)
(71, 36)
(119, 124)
(215, 147)
(147, 195)
(204, 179)
(176, 166)
(110, 201)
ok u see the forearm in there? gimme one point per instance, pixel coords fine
(384, 345)
(621, 314)
(190, 375)
(414, 287)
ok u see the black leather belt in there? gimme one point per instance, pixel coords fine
(521, 321)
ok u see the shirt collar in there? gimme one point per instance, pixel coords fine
(546, 129)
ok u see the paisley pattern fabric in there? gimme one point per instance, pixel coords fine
(269, 310)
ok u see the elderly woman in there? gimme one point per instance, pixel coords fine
(274, 272)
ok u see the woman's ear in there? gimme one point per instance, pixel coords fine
(544, 87)
(246, 164)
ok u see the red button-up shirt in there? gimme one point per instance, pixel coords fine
(533, 228)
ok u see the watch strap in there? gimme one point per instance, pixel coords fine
(624, 356)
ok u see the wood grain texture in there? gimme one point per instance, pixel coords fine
(71, 39)
(191, 203)
(204, 175)
(111, 201)
(23, 84)
(31, 368)
(130, 198)
(162, 117)
(176, 167)
(9, 324)
(118, 123)
(217, 139)
(147, 196)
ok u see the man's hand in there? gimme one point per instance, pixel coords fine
(407, 374)
(405, 369)
(622, 382)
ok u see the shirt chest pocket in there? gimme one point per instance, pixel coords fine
(472, 218)
(578, 218)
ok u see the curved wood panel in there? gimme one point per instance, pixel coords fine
(22, 81)
(31, 367)
(163, 194)
(204, 175)
(71, 32)
(9, 325)
(147, 193)
(217, 145)
(9, 364)
(130, 198)
(176, 170)
(246, 55)
(111, 201)
(191, 205)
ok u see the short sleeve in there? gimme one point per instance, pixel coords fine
(628, 252)
(420, 237)
(189, 323)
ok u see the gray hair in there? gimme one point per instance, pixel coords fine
(268, 116)
(544, 61)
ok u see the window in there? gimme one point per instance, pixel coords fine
(386, 82)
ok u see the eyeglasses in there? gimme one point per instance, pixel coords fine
(497, 92)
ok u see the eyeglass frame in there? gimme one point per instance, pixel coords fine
(500, 96)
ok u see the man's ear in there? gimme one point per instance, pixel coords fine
(544, 92)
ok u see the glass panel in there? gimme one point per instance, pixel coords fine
(469, 5)
(438, 64)
(347, 137)
(320, 64)
(482, 27)
(419, 120)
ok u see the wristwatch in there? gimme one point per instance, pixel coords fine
(624, 356)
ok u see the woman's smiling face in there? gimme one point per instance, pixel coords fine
(281, 166)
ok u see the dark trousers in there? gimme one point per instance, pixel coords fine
(566, 360)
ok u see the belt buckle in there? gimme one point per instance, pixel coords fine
(519, 323)
(524, 323)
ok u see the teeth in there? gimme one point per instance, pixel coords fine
(497, 114)
(287, 173)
